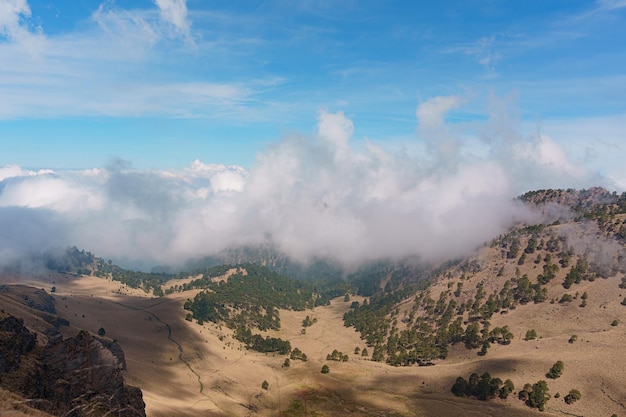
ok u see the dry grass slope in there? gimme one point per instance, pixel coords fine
(186, 369)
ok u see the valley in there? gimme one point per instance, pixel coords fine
(522, 302)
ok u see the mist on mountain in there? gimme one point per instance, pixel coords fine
(328, 196)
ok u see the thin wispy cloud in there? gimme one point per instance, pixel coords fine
(606, 5)
(484, 51)
(92, 74)
(611, 4)
(118, 49)
(174, 12)
(123, 25)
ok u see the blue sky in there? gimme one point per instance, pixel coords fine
(158, 130)
(162, 83)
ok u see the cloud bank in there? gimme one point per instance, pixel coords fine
(318, 196)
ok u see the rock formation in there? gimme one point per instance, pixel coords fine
(78, 376)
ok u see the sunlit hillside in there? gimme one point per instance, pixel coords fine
(531, 324)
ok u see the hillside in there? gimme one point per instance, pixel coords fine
(537, 295)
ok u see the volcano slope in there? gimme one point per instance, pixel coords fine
(188, 369)
(539, 294)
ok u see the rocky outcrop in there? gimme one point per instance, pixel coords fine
(15, 342)
(78, 376)
(82, 372)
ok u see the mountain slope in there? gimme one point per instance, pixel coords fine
(561, 278)
(563, 281)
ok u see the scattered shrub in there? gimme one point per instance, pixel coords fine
(573, 396)
(530, 335)
(536, 395)
(482, 387)
(525, 392)
(308, 321)
(556, 371)
(297, 354)
(337, 356)
(506, 389)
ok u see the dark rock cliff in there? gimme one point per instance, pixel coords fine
(78, 376)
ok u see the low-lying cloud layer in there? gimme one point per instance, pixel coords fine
(310, 197)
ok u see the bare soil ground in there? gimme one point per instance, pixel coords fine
(185, 369)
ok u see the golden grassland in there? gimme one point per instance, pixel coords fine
(186, 369)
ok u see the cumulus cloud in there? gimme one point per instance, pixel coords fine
(11, 171)
(335, 129)
(551, 156)
(432, 126)
(47, 191)
(14, 19)
(10, 12)
(317, 196)
(430, 114)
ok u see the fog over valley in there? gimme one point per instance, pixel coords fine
(325, 195)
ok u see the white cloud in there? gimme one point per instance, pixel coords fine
(618, 178)
(124, 26)
(552, 156)
(318, 196)
(611, 4)
(483, 50)
(49, 192)
(335, 129)
(14, 18)
(174, 12)
(443, 146)
(221, 177)
(430, 114)
(10, 14)
(107, 68)
(11, 171)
